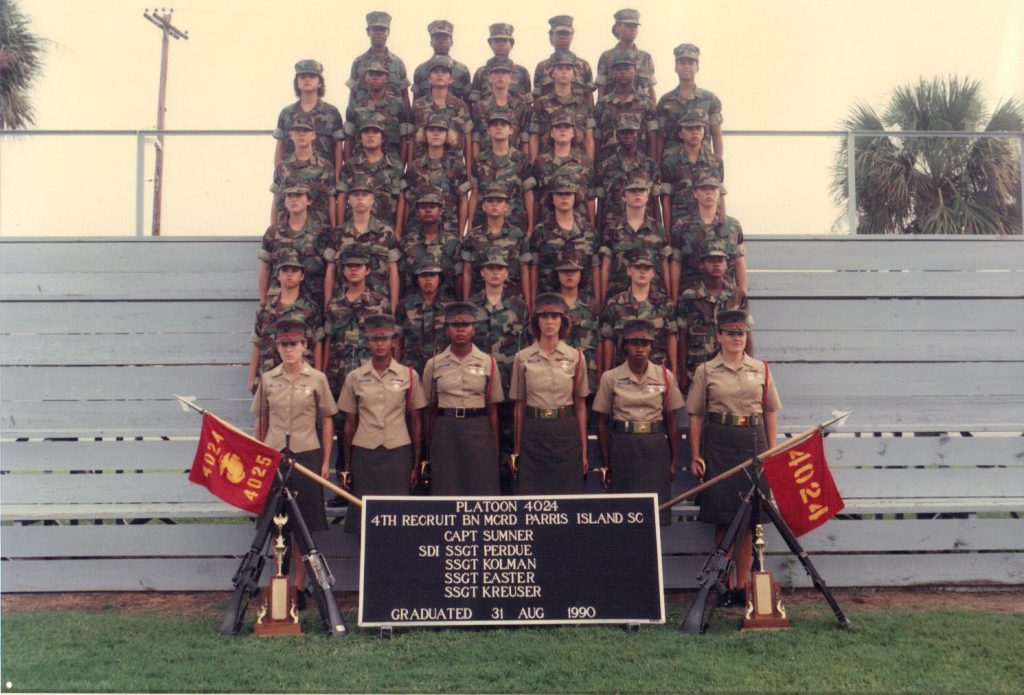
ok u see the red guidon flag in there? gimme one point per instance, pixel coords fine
(804, 490)
(234, 466)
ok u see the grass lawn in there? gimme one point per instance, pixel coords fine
(945, 650)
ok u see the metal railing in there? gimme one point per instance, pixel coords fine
(144, 138)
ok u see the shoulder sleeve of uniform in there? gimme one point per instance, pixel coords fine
(695, 399)
(419, 398)
(603, 397)
(347, 401)
(517, 387)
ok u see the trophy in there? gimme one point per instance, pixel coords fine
(278, 613)
(764, 596)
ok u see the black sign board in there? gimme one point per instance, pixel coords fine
(510, 560)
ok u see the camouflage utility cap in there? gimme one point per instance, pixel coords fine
(627, 16)
(460, 312)
(627, 121)
(374, 120)
(709, 182)
(303, 121)
(501, 113)
(694, 118)
(440, 26)
(564, 185)
(562, 58)
(496, 255)
(296, 188)
(361, 182)
(624, 56)
(287, 258)
(375, 66)
(499, 63)
(712, 248)
(440, 61)
(430, 194)
(425, 265)
(438, 119)
(686, 50)
(355, 254)
(500, 31)
(495, 189)
(641, 256)
(562, 22)
(379, 326)
(309, 67)
(562, 117)
(378, 19)
(569, 259)
(734, 320)
(638, 329)
(640, 181)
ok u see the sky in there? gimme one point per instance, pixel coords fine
(785, 65)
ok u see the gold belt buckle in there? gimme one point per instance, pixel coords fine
(642, 427)
(548, 413)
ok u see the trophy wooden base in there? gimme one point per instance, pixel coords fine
(278, 612)
(764, 605)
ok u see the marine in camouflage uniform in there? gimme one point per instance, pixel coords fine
(441, 30)
(621, 166)
(688, 232)
(501, 328)
(520, 84)
(621, 241)
(550, 239)
(672, 107)
(398, 80)
(480, 245)
(316, 172)
(697, 311)
(657, 308)
(303, 309)
(444, 250)
(511, 170)
(387, 174)
(547, 107)
(343, 327)
(326, 118)
(679, 172)
(378, 242)
(582, 83)
(310, 242)
(584, 335)
(516, 111)
(454, 108)
(549, 168)
(421, 323)
(397, 118)
(612, 106)
(447, 173)
(644, 64)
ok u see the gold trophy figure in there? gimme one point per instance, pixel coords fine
(278, 614)
(764, 596)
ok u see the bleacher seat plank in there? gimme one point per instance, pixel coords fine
(85, 488)
(919, 252)
(916, 346)
(916, 452)
(212, 255)
(126, 285)
(97, 456)
(117, 383)
(798, 284)
(884, 316)
(212, 508)
(171, 316)
(110, 349)
(139, 540)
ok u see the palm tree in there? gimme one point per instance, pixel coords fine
(935, 185)
(20, 64)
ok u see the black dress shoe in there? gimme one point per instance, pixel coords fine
(300, 599)
(724, 599)
(338, 501)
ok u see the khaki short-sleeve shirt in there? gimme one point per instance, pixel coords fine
(451, 382)
(291, 407)
(380, 401)
(547, 380)
(630, 399)
(732, 391)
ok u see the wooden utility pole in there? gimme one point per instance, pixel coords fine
(163, 22)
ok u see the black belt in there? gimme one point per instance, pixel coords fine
(549, 413)
(462, 412)
(639, 427)
(735, 420)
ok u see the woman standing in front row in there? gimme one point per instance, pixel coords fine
(549, 383)
(377, 398)
(289, 398)
(732, 405)
(641, 400)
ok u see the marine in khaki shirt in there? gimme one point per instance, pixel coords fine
(451, 382)
(548, 380)
(380, 400)
(290, 407)
(717, 388)
(628, 398)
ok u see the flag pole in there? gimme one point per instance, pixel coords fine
(352, 499)
(789, 443)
